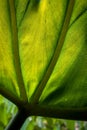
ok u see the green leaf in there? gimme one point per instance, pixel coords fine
(67, 84)
(37, 47)
(7, 110)
(43, 55)
(7, 73)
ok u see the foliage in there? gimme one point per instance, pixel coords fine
(43, 57)
(7, 111)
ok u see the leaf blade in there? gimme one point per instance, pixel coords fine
(56, 55)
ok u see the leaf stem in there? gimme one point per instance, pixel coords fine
(55, 112)
(40, 88)
(15, 46)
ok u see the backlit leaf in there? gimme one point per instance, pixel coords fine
(43, 54)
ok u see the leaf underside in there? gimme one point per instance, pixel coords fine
(43, 55)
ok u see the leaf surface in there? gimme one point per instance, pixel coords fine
(43, 52)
